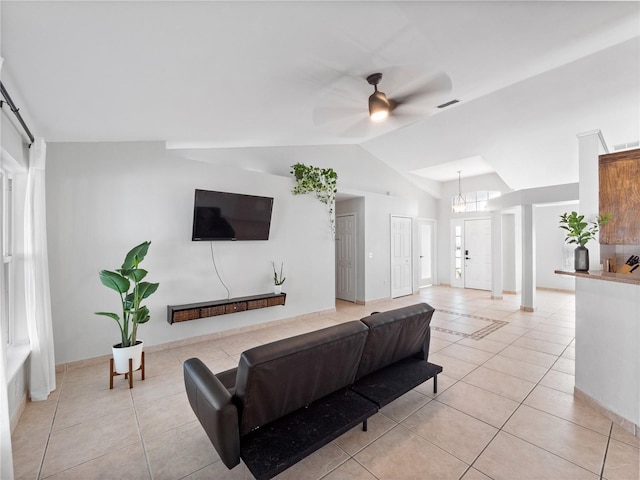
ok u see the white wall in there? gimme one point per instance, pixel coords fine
(378, 211)
(607, 354)
(551, 248)
(104, 198)
(358, 171)
(374, 239)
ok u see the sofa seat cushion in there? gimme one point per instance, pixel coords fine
(274, 447)
(277, 378)
(384, 386)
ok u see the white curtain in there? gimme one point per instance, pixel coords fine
(42, 379)
(6, 455)
(6, 458)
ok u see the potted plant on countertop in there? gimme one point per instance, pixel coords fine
(127, 281)
(580, 232)
(278, 278)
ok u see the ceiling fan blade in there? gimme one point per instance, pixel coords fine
(324, 115)
(435, 88)
(359, 129)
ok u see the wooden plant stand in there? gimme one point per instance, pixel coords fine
(128, 375)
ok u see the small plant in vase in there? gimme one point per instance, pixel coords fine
(278, 278)
(127, 281)
(581, 232)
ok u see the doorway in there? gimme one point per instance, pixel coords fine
(401, 261)
(426, 253)
(346, 257)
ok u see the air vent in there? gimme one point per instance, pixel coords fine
(452, 102)
(627, 146)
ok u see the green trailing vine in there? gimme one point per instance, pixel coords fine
(322, 182)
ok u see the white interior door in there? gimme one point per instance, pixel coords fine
(401, 264)
(345, 257)
(477, 254)
(426, 239)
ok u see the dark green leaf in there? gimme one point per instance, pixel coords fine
(136, 255)
(145, 289)
(136, 274)
(141, 315)
(115, 316)
(114, 281)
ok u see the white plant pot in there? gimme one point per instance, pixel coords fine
(277, 289)
(121, 356)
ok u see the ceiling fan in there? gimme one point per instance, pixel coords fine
(380, 107)
(417, 95)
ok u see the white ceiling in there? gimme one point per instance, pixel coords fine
(530, 76)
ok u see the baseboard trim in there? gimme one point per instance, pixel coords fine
(17, 413)
(622, 422)
(561, 290)
(380, 300)
(201, 338)
(527, 309)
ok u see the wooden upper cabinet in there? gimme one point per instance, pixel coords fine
(620, 196)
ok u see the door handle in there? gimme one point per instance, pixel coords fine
(467, 258)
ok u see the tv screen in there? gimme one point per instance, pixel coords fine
(230, 216)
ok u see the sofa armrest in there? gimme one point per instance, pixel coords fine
(212, 404)
(424, 352)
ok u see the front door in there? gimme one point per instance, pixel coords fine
(401, 264)
(477, 254)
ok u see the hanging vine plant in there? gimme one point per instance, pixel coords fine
(322, 182)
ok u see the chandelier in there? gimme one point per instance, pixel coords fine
(459, 203)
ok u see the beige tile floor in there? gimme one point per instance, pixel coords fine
(504, 409)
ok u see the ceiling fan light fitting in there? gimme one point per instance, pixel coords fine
(378, 106)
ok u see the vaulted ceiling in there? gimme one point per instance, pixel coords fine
(212, 75)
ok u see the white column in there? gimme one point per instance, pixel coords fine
(496, 255)
(528, 302)
(590, 145)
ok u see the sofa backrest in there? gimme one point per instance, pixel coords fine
(395, 335)
(283, 376)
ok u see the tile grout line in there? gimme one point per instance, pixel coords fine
(144, 445)
(524, 440)
(520, 405)
(53, 419)
(606, 450)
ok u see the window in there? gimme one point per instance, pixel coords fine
(458, 252)
(6, 280)
(475, 201)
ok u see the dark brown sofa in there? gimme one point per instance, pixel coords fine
(289, 398)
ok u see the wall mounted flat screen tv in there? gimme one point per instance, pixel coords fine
(230, 216)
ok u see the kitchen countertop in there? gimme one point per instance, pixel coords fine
(631, 278)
